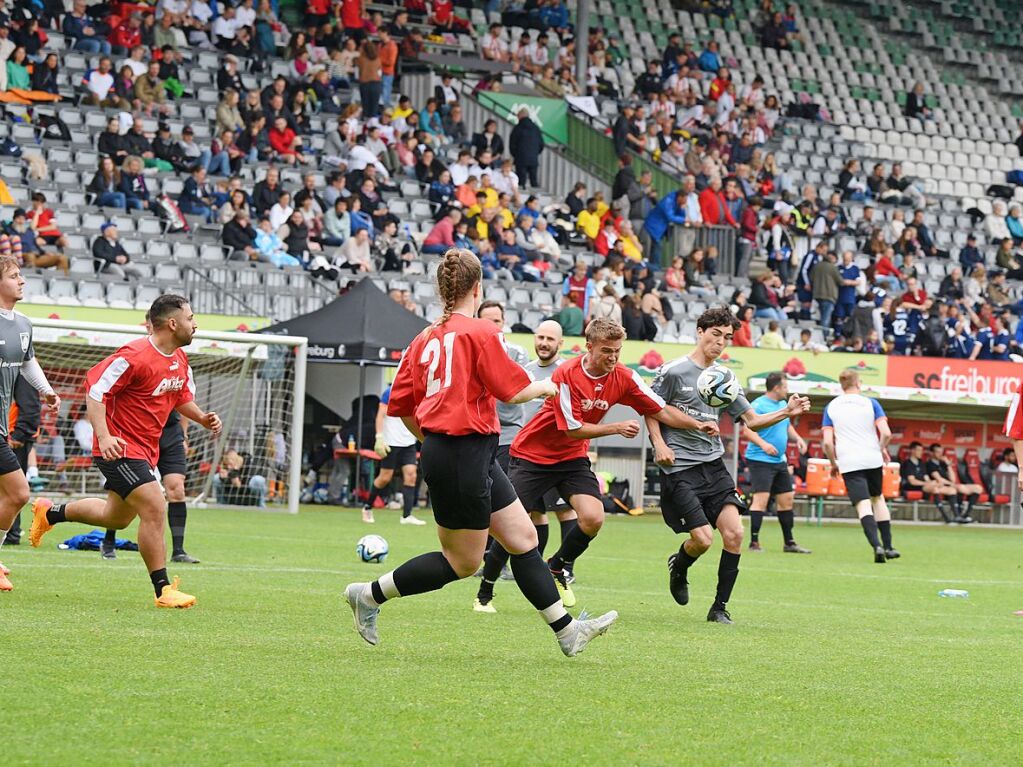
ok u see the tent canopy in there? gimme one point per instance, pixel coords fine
(363, 325)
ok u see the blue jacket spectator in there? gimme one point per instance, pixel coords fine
(670, 209)
(970, 256)
(709, 60)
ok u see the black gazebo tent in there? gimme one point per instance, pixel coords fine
(362, 327)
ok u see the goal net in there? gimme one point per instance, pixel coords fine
(255, 383)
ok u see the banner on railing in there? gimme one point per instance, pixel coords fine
(585, 104)
(550, 115)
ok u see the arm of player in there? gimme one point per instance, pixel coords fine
(759, 441)
(193, 412)
(828, 445)
(884, 432)
(671, 416)
(1017, 444)
(534, 390)
(794, 436)
(32, 372)
(757, 421)
(110, 447)
(412, 426)
(663, 455)
(627, 429)
(380, 447)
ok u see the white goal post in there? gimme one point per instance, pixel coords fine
(255, 382)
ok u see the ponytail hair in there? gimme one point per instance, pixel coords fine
(458, 272)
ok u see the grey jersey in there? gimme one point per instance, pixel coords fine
(511, 416)
(15, 348)
(676, 384)
(538, 372)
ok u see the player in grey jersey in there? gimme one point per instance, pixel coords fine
(547, 345)
(17, 357)
(697, 491)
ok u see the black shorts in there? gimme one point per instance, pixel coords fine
(172, 458)
(770, 477)
(695, 496)
(863, 484)
(125, 474)
(533, 481)
(466, 483)
(8, 460)
(399, 457)
(503, 457)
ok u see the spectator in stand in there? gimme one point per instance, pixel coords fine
(240, 236)
(850, 274)
(442, 235)
(579, 288)
(749, 231)
(196, 199)
(488, 140)
(774, 34)
(370, 74)
(41, 219)
(110, 257)
(512, 257)
(100, 84)
(916, 104)
(997, 291)
(127, 34)
(133, 184)
(886, 273)
(850, 184)
(713, 206)
(525, 143)
(492, 45)
(827, 282)
(271, 248)
(356, 253)
(995, 224)
(106, 185)
(79, 27)
(149, 90)
(1005, 256)
(44, 76)
(669, 211)
(764, 300)
(743, 336)
(772, 337)
(607, 306)
(286, 144)
(906, 186)
(32, 244)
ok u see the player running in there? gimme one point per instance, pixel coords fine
(17, 357)
(856, 437)
(697, 491)
(129, 397)
(445, 391)
(551, 452)
(547, 345)
(768, 467)
(396, 445)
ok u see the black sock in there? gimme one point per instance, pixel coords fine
(787, 520)
(885, 528)
(728, 571)
(110, 539)
(971, 501)
(427, 572)
(567, 526)
(408, 500)
(941, 510)
(535, 582)
(177, 515)
(756, 519)
(571, 548)
(56, 514)
(957, 505)
(543, 533)
(494, 562)
(685, 559)
(870, 530)
(159, 579)
(486, 590)
(373, 495)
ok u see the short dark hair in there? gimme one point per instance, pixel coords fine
(936, 446)
(490, 305)
(914, 445)
(774, 380)
(164, 306)
(718, 317)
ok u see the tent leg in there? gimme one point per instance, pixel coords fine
(358, 437)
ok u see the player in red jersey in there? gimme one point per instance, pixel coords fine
(1014, 431)
(129, 396)
(551, 450)
(445, 391)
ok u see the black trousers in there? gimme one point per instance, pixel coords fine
(14, 534)
(527, 171)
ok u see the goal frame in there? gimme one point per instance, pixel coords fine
(299, 343)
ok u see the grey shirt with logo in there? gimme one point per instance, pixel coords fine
(15, 348)
(676, 384)
(511, 416)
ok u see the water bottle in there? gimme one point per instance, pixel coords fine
(351, 442)
(955, 593)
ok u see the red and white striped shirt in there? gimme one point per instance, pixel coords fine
(1014, 418)
(140, 386)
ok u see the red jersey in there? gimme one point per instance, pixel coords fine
(451, 374)
(582, 398)
(1014, 418)
(140, 385)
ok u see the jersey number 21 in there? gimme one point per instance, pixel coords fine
(432, 357)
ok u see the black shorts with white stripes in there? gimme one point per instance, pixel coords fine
(124, 474)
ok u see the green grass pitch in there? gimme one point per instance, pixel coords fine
(833, 660)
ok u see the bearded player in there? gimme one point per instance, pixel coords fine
(129, 397)
(697, 492)
(17, 357)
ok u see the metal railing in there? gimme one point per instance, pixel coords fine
(240, 289)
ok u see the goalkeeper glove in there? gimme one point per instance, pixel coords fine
(381, 448)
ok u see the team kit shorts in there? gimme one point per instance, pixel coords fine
(399, 457)
(770, 477)
(863, 484)
(535, 483)
(125, 474)
(466, 483)
(172, 458)
(8, 460)
(694, 497)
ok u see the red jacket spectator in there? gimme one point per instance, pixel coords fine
(351, 14)
(283, 141)
(126, 35)
(916, 297)
(443, 233)
(884, 267)
(749, 224)
(718, 86)
(744, 335)
(714, 210)
(317, 8)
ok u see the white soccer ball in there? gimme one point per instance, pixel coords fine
(718, 386)
(372, 548)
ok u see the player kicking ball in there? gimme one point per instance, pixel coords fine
(697, 492)
(17, 357)
(768, 467)
(129, 397)
(445, 391)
